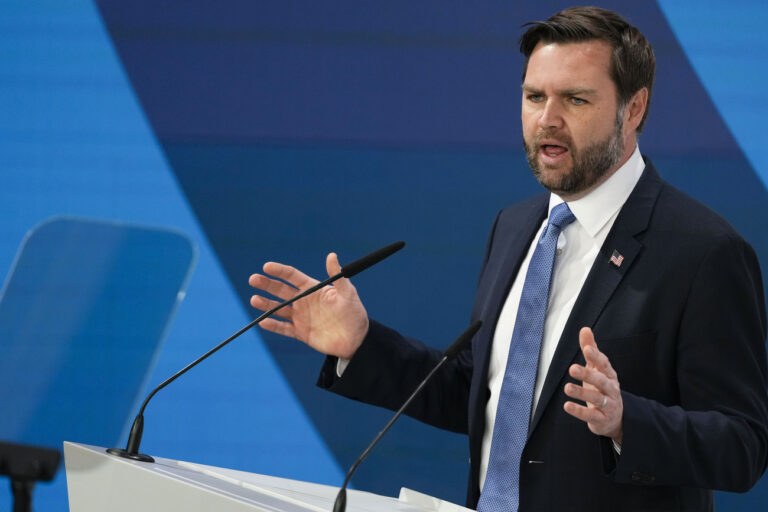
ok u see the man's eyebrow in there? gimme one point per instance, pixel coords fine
(576, 91)
(530, 89)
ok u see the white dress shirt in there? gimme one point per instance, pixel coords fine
(577, 247)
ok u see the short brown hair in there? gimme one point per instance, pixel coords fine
(633, 64)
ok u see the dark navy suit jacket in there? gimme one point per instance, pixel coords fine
(683, 322)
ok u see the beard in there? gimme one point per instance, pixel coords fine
(590, 164)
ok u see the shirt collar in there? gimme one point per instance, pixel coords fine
(595, 209)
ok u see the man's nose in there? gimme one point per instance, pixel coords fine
(551, 115)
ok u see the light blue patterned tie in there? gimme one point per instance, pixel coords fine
(501, 492)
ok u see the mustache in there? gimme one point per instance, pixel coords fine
(562, 139)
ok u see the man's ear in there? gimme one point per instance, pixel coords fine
(635, 110)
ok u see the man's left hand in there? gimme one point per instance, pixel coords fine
(600, 390)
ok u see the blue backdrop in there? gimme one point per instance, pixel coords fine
(285, 130)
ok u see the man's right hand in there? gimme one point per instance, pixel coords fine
(331, 320)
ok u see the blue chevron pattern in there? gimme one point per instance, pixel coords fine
(375, 121)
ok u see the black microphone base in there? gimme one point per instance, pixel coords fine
(141, 457)
(340, 505)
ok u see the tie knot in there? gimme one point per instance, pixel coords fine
(561, 216)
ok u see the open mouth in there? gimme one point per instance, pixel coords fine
(553, 150)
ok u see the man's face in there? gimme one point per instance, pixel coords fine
(572, 127)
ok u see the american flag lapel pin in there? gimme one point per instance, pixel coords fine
(617, 258)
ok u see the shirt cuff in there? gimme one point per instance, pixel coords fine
(341, 365)
(616, 446)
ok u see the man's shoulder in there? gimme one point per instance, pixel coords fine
(666, 219)
(679, 213)
(532, 206)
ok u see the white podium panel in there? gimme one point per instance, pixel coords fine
(97, 481)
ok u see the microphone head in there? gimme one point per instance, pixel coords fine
(363, 263)
(462, 340)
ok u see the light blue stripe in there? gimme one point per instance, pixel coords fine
(727, 45)
(74, 140)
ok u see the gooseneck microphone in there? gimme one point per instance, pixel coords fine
(131, 450)
(340, 505)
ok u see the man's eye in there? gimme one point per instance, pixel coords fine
(578, 101)
(536, 98)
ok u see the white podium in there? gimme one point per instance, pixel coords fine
(97, 481)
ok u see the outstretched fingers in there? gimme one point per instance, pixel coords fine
(590, 396)
(592, 376)
(279, 327)
(332, 321)
(599, 389)
(264, 304)
(277, 288)
(289, 274)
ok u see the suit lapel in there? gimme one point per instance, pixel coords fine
(603, 279)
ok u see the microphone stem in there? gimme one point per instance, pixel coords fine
(357, 266)
(238, 333)
(340, 504)
(391, 421)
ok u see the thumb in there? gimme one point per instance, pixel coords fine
(332, 265)
(587, 339)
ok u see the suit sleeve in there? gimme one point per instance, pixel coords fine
(388, 367)
(716, 435)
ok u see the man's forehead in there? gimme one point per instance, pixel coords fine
(579, 64)
(596, 50)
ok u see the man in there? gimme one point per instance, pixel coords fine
(621, 364)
